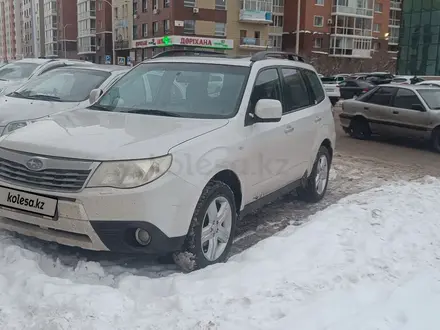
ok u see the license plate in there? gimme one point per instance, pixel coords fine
(28, 202)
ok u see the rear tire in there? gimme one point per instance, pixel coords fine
(212, 229)
(360, 129)
(316, 185)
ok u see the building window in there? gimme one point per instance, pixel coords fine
(144, 5)
(166, 26)
(317, 43)
(220, 4)
(166, 3)
(277, 20)
(378, 7)
(145, 30)
(155, 28)
(318, 21)
(376, 27)
(189, 3)
(189, 27)
(135, 32)
(220, 29)
(135, 8)
(319, 2)
(100, 5)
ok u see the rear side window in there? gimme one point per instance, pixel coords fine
(267, 86)
(405, 99)
(315, 85)
(382, 96)
(295, 93)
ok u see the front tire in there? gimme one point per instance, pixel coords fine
(316, 184)
(212, 229)
(359, 129)
(436, 139)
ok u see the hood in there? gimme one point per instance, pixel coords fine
(14, 109)
(97, 135)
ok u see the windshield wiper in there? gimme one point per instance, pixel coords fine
(1, 79)
(99, 107)
(18, 94)
(153, 112)
(44, 97)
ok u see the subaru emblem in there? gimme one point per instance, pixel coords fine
(35, 164)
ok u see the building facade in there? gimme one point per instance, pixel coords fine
(86, 11)
(419, 40)
(27, 35)
(123, 28)
(10, 28)
(344, 35)
(104, 36)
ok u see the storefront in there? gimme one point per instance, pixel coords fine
(146, 48)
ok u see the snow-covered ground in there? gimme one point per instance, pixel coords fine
(371, 261)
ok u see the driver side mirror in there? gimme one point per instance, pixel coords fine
(94, 95)
(418, 107)
(268, 111)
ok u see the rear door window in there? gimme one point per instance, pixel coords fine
(405, 99)
(295, 93)
(315, 85)
(381, 96)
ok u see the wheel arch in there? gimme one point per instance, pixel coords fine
(231, 179)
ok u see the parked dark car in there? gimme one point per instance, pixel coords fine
(352, 88)
(380, 78)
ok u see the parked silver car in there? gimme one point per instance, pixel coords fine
(15, 74)
(397, 110)
(57, 90)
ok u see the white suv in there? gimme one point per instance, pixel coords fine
(163, 164)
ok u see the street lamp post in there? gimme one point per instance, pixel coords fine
(113, 32)
(65, 43)
(298, 17)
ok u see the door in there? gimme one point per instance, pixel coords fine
(406, 121)
(263, 159)
(376, 109)
(300, 123)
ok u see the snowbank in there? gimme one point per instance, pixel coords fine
(369, 262)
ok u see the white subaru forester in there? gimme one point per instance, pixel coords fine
(170, 157)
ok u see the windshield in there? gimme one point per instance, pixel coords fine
(431, 97)
(63, 84)
(190, 90)
(17, 70)
(329, 80)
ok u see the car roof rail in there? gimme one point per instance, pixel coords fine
(263, 55)
(186, 52)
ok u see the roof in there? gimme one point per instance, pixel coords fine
(411, 87)
(34, 60)
(96, 67)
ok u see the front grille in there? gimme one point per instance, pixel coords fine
(48, 179)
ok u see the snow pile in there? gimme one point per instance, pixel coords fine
(369, 262)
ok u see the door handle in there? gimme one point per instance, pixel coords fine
(395, 112)
(289, 129)
(318, 119)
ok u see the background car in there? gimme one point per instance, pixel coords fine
(15, 74)
(379, 78)
(331, 87)
(354, 88)
(60, 89)
(395, 110)
(432, 83)
(408, 80)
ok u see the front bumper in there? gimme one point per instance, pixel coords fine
(345, 120)
(104, 219)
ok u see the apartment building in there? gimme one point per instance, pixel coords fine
(164, 24)
(124, 28)
(10, 27)
(355, 35)
(86, 12)
(28, 26)
(104, 36)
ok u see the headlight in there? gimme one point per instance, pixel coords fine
(129, 174)
(14, 126)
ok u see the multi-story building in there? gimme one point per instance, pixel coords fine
(124, 28)
(28, 25)
(10, 24)
(347, 35)
(419, 41)
(276, 28)
(87, 29)
(51, 23)
(164, 24)
(104, 35)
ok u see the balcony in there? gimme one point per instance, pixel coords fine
(254, 43)
(394, 22)
(393, 40)
(255, 17)
(352, 11)
(351, 32)
(279, 10)
(276, 30)
(90, 49)
(86, 33)
(395, 5)
(87, 15)
(122, 44)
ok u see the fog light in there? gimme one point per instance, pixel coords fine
(142, 236)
